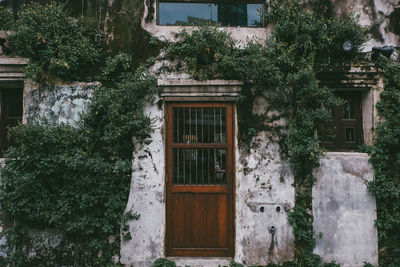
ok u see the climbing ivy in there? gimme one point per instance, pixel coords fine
(56, 44)
(283, 71)
(385, 158)
(79, 177)
(76, 179)
(6, 19)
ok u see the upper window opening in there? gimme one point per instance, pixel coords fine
(348, 122)
(10, 113)
(225, 14)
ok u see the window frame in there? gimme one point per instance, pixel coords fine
(340, 124)
(263, 3)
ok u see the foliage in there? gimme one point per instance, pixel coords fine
(283, 71)
(55, 43)
(88, 168)
(162, 262)
(76, 180)
(6, 19)
(385, 158)
(208, 53)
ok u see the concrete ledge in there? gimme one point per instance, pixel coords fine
(200, 262)
(191, 88)
(13, 61)
(345, 154)
(192, 82)
(12, 69)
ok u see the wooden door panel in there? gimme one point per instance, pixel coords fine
(199, 189)
(199, 220)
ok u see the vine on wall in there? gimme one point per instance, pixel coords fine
(385, 158)
(76, 179)
(283, 71)
(80, 188)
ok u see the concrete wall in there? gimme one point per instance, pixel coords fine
(264, 196)
(344, 210)
(60, 103)
(147, 197)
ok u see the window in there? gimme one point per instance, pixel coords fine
(11, 113)
(199, 179)
(348, 122)
(180, 13)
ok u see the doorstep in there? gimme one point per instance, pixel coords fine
(200, 262)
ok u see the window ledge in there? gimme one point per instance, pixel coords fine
(345, 154)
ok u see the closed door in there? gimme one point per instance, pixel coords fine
(199, 179)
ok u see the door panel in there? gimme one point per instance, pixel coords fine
(199, 179)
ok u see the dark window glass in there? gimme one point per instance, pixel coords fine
(350, 134)
(199, 125)
(348, 109)
(226, 14)
(199, 166)
(10, 113)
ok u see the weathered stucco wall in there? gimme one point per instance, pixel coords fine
(57, 103)
(147, 197)
(344, 210)
(264, 197)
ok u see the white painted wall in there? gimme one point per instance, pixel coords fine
(344, 210)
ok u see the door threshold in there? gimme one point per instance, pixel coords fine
(201, 261)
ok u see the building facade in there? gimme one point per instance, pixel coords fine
(203, 200)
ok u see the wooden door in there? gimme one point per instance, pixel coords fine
(199, 179)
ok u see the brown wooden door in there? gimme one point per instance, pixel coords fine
(199, 179)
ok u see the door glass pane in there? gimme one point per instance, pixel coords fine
(199, 125)
(226, 14)
(350, 135)
(348, 109)
(199, 166)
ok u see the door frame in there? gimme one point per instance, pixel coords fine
(168, 122)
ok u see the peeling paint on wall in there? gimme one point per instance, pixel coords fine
(264, 196)
(344, 210)
(59, 103)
